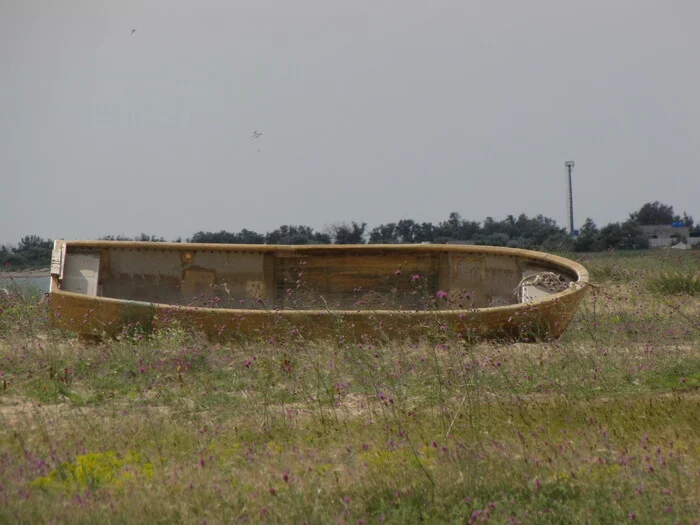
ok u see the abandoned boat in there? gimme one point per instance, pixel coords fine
(312, 291)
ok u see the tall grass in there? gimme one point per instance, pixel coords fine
(676, 283)
(599, 426)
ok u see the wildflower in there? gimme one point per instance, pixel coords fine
(442, 294)
(644, 441)
(397, 272)
(415, 277)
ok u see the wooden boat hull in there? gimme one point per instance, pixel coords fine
(313, 292)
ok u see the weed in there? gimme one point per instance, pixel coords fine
(676, 283)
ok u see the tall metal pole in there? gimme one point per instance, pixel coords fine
(570, 166)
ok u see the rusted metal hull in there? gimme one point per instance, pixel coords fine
(314, 292)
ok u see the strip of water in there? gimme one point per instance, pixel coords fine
(29, 282)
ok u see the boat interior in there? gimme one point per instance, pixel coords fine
(244, 277)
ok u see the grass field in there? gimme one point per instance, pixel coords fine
(600, 426)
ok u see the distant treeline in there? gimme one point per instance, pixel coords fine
(538, 232)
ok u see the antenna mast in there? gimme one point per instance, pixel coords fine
(570, 166)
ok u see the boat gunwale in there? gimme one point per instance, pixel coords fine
(576, 287)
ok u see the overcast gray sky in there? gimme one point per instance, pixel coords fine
(370, 110)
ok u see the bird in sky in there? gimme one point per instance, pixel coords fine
(133, 31)
(256, 134)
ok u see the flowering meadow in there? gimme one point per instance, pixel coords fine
(599, 426)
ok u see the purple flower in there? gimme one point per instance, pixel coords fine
(442, 294)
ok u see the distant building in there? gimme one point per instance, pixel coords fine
(666, 235)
